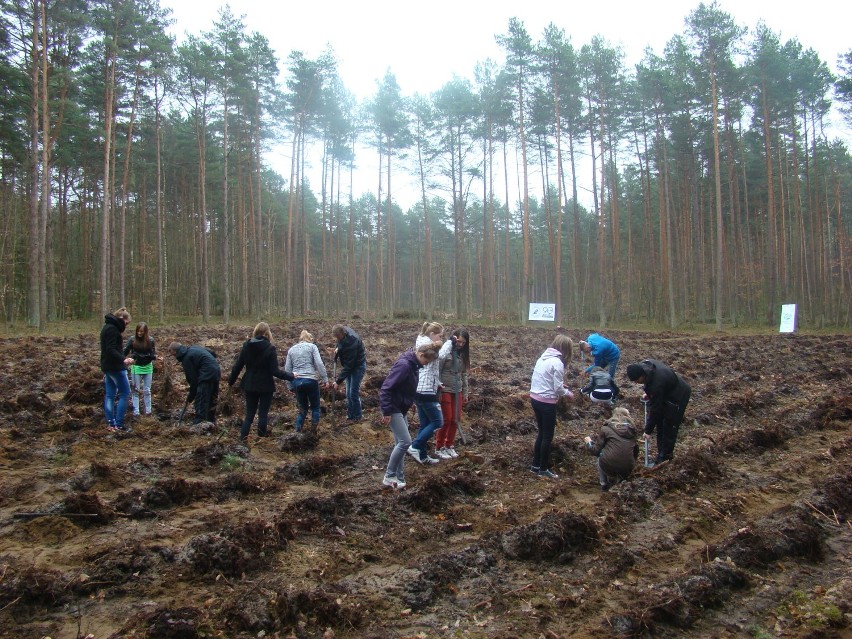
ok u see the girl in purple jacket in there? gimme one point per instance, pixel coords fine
(395, 399)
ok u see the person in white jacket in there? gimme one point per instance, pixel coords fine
(546, 389)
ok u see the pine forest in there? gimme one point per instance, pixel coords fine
(133, 173)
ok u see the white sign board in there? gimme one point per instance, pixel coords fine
(788, 318)
(542, 312)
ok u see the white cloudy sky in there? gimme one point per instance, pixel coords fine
(425, 43)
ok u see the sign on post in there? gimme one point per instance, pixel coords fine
(542, 312)
(788, 318)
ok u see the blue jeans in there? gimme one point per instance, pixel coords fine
(431, 419)
(611, 365)
(256, 403)
(307, 394)
(353, 392)
(142, 386)
(116, 394)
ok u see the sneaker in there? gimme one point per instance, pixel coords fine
(400, 483)
(535, 470)
(605, 487)
(429, 460)
(443, 453)
(549, 474)
(451, 452)
(390, 481)
(414, 452)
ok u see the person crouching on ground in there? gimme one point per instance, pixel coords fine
(202, 374)
(454, 392)
(667, 395)
(601, 388)
(305, 363)
(615, 448)
(260, 359)
(546, 389)
(395, 399)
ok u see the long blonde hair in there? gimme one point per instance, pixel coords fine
(305, 336)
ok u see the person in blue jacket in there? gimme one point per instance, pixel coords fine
(396, 397)
(604, 352)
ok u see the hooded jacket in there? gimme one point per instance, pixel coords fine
(350, 352)
(260, 359)
(667, 394)
(397, 392)
(616, 448)
(548, 377)
(112, 357)
(602, 350)
(199, 366)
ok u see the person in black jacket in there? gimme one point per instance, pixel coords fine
(667, 396)
(114, 366)
(260, 359)
(353, 365)
(202, 374)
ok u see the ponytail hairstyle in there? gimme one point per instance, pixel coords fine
(431, 327)
(305, 336)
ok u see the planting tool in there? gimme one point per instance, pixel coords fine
(183, 412)
(648, 462)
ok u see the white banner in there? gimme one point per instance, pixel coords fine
(788, 318)
(542, 312)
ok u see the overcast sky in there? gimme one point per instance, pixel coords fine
(424, 44)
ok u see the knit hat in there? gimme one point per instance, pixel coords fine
(635, 371)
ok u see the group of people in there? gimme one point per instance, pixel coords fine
(304, 371)
(432, 375)
(616, 447)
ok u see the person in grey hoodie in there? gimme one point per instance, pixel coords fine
(615, 448)
(260, 359)
(305, 364)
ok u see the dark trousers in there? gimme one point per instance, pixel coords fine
(206, 397)
(545, 419)
(256, 403)
(666, 439)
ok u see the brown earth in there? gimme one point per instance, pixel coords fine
(176, 531)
